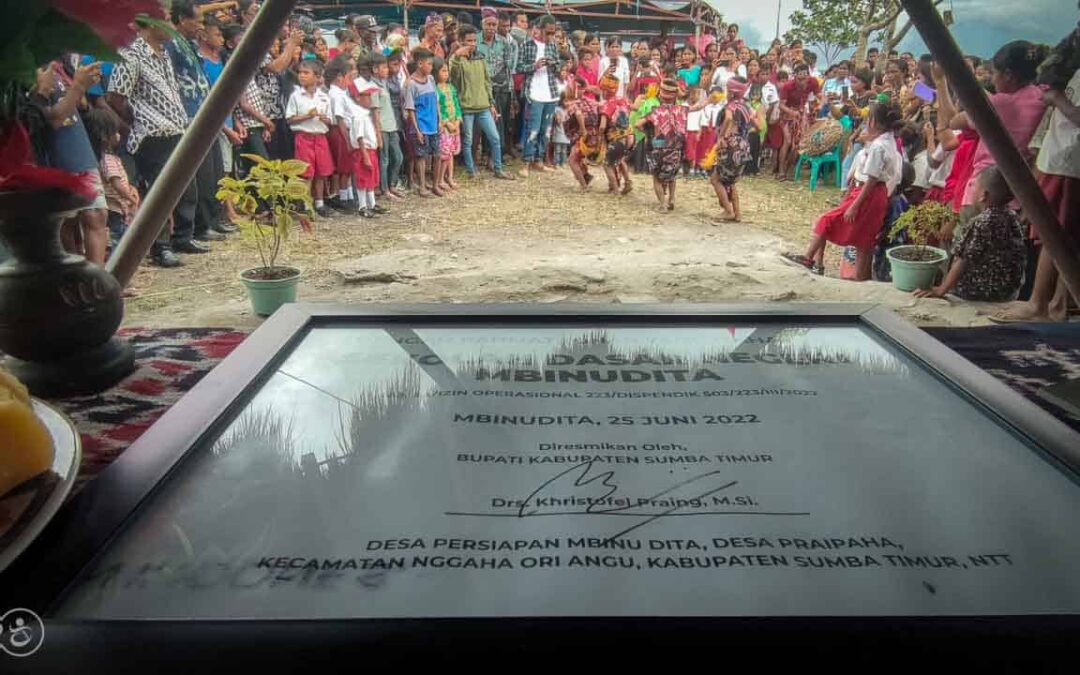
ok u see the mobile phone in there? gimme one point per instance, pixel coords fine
(925, 92)
(845, 93)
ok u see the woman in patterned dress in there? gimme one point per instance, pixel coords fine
(616, 132)
(668, 122)
(733, 147)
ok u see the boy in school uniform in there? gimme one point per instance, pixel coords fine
(308, 115)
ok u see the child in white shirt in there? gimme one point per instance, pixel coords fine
(364, 139)
(308, 115)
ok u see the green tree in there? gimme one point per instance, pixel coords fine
(833, 26)
(827, 25)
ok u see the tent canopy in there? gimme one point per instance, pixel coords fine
(629, 17)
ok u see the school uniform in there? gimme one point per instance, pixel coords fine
(880, 160)
(693, 135)
(362, 127)
(340, 109)
(310, 143)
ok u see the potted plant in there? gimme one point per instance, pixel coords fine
(917, 264)
(271, 202)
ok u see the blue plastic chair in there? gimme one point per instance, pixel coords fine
(822, 162)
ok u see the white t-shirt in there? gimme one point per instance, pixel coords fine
(880, 160)
(622, 71)
(302, 103)
(558, 126)
(694, 120)
(1060, 152)
(940, 175)
(712, 114)
(921, 164)
(539, 90)
(723, 74)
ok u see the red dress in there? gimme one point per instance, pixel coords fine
(963, 165)
(862, 232)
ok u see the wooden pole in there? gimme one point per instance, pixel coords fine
(200, 137)
(1061, 249)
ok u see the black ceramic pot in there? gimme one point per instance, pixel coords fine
(58, 312)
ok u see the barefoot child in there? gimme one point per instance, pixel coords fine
(449, 127)
(308, 115)
(366, 153)
(857, 220)
(988, 258)
(421, 105)
(339, 73)
(619, 138)
(733, 147)
(668, 121)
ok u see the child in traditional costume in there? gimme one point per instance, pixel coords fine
(733, 147)
(668, 123)
(617, 135)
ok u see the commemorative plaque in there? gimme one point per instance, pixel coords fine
(786, 464)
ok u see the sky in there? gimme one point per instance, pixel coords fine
(981, 25)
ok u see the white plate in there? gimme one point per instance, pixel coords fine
(41, 504)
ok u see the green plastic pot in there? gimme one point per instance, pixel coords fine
(909, 275)
(267, 295)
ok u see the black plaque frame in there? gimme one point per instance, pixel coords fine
(86, 525)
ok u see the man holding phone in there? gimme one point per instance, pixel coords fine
(539, 61)
(469, 75)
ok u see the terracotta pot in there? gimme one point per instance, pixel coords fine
(58, 312)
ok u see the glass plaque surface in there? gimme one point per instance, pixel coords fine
(601, 470)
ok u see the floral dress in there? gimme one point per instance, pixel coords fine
(449, 111)
(619, 135)
(665, 156)
(732, 157)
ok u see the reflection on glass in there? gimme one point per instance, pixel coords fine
(493, 472)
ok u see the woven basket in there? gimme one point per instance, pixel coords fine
(821, 137)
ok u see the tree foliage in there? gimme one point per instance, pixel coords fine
(833, 26)
(829, 25)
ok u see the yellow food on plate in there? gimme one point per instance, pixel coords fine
(26, 448)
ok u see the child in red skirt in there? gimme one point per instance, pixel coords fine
(857, 221)
(694, 115)
(339, 73)
(308, 115)
(365, 153)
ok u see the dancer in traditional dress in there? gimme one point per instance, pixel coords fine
(733, 147)
(668, 122)
(617, 134)
(583, 129)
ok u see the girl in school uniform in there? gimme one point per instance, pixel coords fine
(857, 220)
(694, 116)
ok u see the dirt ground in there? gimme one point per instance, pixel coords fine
(541, 241)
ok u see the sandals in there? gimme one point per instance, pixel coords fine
(797, 260)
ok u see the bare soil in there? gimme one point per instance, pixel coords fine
(539, 240)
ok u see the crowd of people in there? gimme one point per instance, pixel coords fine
(384, 114)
